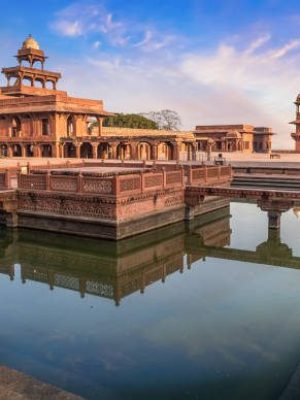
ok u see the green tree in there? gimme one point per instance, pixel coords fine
(130, 121)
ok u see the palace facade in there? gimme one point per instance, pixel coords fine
(232, 138)
(38, 120)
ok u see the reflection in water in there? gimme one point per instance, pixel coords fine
(109, 269)
(227, 328)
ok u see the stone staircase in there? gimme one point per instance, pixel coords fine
(267, 181)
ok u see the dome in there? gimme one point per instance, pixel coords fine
(30, 43)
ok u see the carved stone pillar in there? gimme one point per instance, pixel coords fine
(176, 152)
(114, 150)
(95, 148)
(37, 151)
(274, 209)
(77, 146)
(23, 151)
(9, 151)
(154, 151)
(134, 151)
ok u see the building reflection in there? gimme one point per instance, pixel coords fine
(114, 270)
(111, 270)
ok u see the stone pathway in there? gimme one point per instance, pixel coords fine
(15, 385)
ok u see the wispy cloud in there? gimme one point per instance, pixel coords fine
(93, 18)
(226, 83)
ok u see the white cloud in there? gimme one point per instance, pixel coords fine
(93, 18)
(225, 84)
(278, 53)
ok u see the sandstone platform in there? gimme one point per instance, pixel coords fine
(15, 385)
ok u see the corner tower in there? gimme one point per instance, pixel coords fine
(29, 78)
(37, 120)
(296, 135)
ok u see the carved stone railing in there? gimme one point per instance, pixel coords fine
(209, 175)
(121, 184)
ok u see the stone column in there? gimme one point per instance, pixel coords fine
(154, 151)
(95, 148)
(9, 151)
(176, 154)
(274, 218)
(134, 151)
(274, 209)
(114, 150)
(23, 151)
(37, 151)
(77, 146)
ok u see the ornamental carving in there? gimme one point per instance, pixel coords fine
(130, 184)
(33, 182)
(198, 173)
(2, 181)
(103, 186)
(173, 177)
(154, 180)
(64, 184)
(78, 206)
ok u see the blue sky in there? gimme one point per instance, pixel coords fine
(212, 61)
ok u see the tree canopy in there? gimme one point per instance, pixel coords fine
(130, 121)
(165, 119)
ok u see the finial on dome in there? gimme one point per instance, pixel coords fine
(30, 43)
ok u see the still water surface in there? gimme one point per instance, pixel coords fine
(209, 311)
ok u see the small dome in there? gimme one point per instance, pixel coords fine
(30, 43)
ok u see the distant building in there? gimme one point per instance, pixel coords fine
(232, 138)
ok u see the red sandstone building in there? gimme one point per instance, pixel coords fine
(296, 135)
(38, 120)
(232, 138)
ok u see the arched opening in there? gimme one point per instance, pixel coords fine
(12, 81)
(165, 151)
(38, 83)
(92, 125)
(86, 150)
(17, 150)
(26, 63)
(4, 150)
(50, 85)
(124, 151)
(104, 151)
(46, 150)
(29, 150)
(15, 127)
(144, 151)
(37, 64)
(70, 126)
(69, 150)
(27, 82)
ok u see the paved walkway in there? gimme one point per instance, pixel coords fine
(16, 386)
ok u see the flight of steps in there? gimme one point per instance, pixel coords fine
(267, 181)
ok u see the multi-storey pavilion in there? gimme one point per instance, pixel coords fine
(37, 119)
(34, 115)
